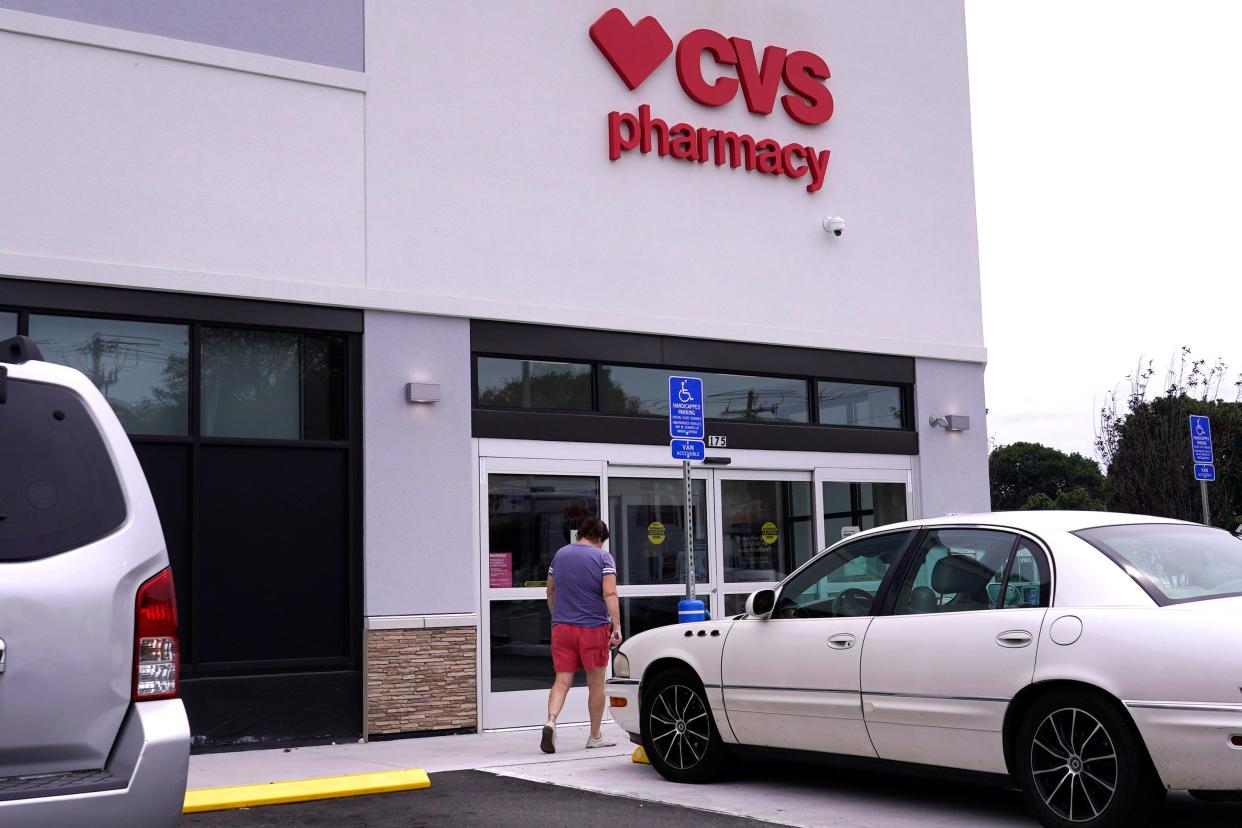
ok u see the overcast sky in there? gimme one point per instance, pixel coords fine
(1108, 172)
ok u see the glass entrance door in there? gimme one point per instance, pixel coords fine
(751, 528)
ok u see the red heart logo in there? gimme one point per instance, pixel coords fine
(634, 50)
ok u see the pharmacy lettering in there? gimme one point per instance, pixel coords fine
(636, 50)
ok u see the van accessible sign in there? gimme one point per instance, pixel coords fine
(635, 50)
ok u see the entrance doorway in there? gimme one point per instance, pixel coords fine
(751, 527)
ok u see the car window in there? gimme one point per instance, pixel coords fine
(843, 582)
(58, 488)
(1173, 562)
(1028, 584)
(957, 570)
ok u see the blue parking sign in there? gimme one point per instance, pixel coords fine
(685, 408)
(1201, 439)
(687, 449)
(1205, 472)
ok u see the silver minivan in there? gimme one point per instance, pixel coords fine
(91, 729)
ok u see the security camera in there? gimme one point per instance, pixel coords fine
(834, 225)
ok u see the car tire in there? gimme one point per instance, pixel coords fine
(678, 731)
(1082, 764)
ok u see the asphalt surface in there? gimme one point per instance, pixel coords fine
(464, 799)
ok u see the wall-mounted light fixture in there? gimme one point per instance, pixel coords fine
(422, 392)
(951, 422)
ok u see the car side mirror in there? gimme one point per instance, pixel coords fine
(761, 603)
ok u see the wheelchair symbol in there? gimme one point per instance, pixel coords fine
(1199, 430)
(684, 394)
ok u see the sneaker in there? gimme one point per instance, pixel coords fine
(599, 742)
(548, 743)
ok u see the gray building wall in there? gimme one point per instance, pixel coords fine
(327, 32)
(419, 513)
(953, 466)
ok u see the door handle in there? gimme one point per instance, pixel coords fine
(1014, 638)
(841, 641)
(1, 655)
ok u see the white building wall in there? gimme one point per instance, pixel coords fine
(136, 160)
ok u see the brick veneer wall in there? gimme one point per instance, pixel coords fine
(421, 680)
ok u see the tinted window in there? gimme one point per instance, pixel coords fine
(844, 582)
(58, 489)
(767, 528)
(141, 367)
(853, 404)
(8, 324)
(850, 508)
(527, 383)
(529, 517)
(1174, 562)
(273, 385)
(957, 570)
(647, 525)
(628, 390)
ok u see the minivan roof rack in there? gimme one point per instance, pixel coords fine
(18, 349)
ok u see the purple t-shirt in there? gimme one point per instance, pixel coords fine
(577, 573)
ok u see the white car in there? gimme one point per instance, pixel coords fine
(1094, 658)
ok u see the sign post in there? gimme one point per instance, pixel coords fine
(685, 426)
(1204, 458)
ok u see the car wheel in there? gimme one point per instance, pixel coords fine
(1081, 763)
(678, 732)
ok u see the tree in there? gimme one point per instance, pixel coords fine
(1033, 476)
(1145, 442)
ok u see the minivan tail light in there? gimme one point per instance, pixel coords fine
(157, 652)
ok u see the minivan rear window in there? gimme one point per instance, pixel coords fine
(58, 487)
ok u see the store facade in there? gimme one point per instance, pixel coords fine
(254, 232)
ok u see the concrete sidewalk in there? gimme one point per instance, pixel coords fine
(508, 749)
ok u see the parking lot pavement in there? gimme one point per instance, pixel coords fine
(820, 796)
(471, 799)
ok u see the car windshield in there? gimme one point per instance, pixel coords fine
(1174, 562)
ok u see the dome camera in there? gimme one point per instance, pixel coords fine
(834, 225)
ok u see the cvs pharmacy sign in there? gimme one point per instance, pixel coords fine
(635, 50)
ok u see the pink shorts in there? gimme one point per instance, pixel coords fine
(580, 648)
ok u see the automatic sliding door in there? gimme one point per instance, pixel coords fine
(529, 515)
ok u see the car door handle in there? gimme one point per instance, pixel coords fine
(1014, 638)
(841, 641)
(1, 655)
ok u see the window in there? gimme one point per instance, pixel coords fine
(530, 517)
(527, 383)
(962, 570)
(767, 528)
(844, 582)
(59, 489)
(8, 324)
(142, 368)
(628, 390)
(273, 385)
(1174, 562)
(854, 507)
(854, 404)
(647, 525)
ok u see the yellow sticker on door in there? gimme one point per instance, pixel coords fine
(655, 532)
(768, 532)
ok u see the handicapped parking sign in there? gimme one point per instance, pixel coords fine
(1201, 439)
(1205, 472)
(685, 408)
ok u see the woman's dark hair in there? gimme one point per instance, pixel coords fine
(593, 529)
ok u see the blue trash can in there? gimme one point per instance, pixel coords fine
(690, 610)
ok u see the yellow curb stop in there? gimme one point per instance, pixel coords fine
(640, 756)
(304, 790)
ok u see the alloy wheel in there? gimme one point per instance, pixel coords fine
(679, 726)
(1074, 764)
